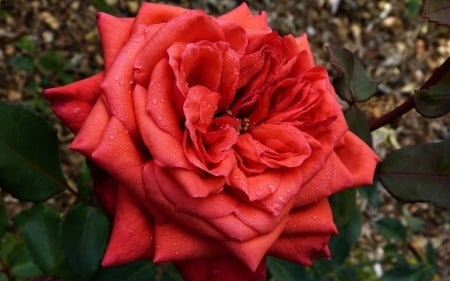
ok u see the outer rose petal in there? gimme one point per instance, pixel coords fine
(73, 102)
(113, 41)
(347, 167)
(359, 159)
(306, 234)
(154, 13)
(132, 233)
(220, 269)
(246, 19)
(91, 133)
(173, 244)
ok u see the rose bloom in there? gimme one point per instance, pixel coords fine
(213, 142)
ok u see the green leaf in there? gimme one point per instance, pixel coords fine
(371, 193)
(341, 244)
(39, 227)
(135, 271)
(17, 258)
(29, 165)
(22, 63)
(283, 270)
(358, 124)
(84, 183)
(434, 101)
(410, 273)
(344, 207)
(84, 235)
(170, 273)
(418, 173)
(436, 11)
(352, 83)
(103, 6)
(391, 228)
(430, 253)
(3, 220)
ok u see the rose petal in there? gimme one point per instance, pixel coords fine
(253, 251)
(117, 84)
(301, 249)
(359, 159)
(164, 209)
(73, 102)
(310, 219)
(191, 26)
(166, 150)
(119, 157)
(332, 178)
(132, 233)
(219, 269)
(105, 189)
(159, 103)
(113, 41)
(154, 13)
(91, 133)
(174, 243)
(244, 17)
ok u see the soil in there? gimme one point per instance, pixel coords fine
(398, 50)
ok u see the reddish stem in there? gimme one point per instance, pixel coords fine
(393, 114)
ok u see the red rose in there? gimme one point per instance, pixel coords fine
(219, 142)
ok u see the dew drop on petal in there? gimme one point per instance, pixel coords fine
(116, 78)
(280, 198)
(315, 217)
(111, 137)
(154, 101)
(272, 187)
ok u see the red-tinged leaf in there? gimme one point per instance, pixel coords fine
(418, 173)
(352, 83)
(433, 98)
(436, 11)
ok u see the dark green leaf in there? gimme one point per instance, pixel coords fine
(418, 173)
(3, 277)
(84, 235)
(341, 244)
(391, 228)
(170, 273)
(135, 271)
(434, 101)
(430, 253)
(410, 273)
(39, 227)
(102, 6)
(371, 193)
(358, 124)
(352, 83)
(29, 165)
(283, 270)
(16, 256)
(344, 207)
(22, 63)
(436, 11)
(3, 220)
(84, 182)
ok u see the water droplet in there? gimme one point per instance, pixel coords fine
(159, 118)
(111, 137)
(280, 198)
(121, 82)
(272, 187)
(177, 253)
(154, 101)
(315, 217)
(116, 78)
(136, 40)
(258, 192)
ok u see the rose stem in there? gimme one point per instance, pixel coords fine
(393, 114)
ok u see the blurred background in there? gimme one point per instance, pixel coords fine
(47, 43)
